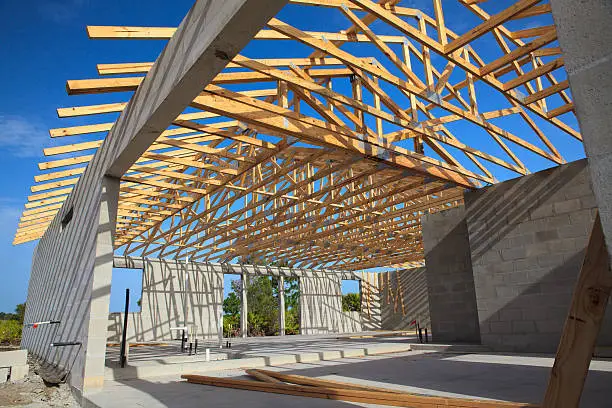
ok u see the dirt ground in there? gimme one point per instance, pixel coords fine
(32, 392)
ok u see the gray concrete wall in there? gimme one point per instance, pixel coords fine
(450, 282)
(321, 305)
(163, 299)
(70, 281)
(370, 300)
(72, 267)
(404, 299)
(585, 37)
(527, 239)
(171, 289)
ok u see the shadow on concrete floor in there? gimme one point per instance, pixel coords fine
(435, 373)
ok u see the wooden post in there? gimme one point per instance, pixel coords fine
(582, 325)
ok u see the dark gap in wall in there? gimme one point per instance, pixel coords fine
(67, 218)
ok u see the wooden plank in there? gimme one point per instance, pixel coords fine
(143, 67)
(371, 397)
(319, 382)
(533, 11)
(561, 110)
(262, 376)
(551, 90)
(489, 25)
(535, 73)
(579, 337)
(158, 33)
(105, 85)
(532, 32)
(518, 53)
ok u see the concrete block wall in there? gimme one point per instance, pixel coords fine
(70, 282)
(370, 301)
(164, 293)
(321, 305)
(585, 37)
(527, 239)
(450, 282)
(404, 299)
(170, 290)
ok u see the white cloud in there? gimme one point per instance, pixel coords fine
(61, 11)
(22, 137)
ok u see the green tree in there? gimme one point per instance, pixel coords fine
(351, 302)
(262, 301)
(231, 305)
(20, 312)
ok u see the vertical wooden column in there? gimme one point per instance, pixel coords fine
(582, 325)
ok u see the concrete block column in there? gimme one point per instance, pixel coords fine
(281, 306)
(95, 341)
(244, 321)
(450, 281)
(585, 36)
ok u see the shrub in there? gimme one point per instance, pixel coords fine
(10, 332)
(351, 302)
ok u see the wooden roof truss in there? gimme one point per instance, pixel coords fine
(327, 160)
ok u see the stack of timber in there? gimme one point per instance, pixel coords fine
(289, 384)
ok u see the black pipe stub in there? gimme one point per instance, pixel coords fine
(65, 343)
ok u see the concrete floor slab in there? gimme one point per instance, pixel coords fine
(154, 361)
(485, 376)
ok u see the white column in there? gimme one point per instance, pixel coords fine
(281, 305)
(244, 323)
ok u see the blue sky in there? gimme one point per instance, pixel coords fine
(45, 43)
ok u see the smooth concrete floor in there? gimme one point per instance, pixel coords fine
(171, 353)
(495, 376)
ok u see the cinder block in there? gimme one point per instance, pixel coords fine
(542, 211)
(545, 236)
(19, 372)
(510, 314)
(522, 327)
(567, 206)
(550, 326)
(4, 374)
(13, 357)
(501, 327)
(512, 254)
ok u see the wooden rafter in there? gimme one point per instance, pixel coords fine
(328, 159)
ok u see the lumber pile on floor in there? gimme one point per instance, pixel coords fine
(289, 384)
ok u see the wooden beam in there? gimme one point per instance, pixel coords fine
(489, 25)
(371, 397)
(105, 85)
(579, 337)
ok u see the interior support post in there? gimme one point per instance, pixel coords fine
(244, 322)
(582, 325)
(281, 306)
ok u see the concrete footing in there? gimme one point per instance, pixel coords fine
(13, 365)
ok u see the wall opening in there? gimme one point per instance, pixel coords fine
(263, 306)
(292, 306)
(67, 218)
(232, 305)
(123, 279)
(351, 295)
